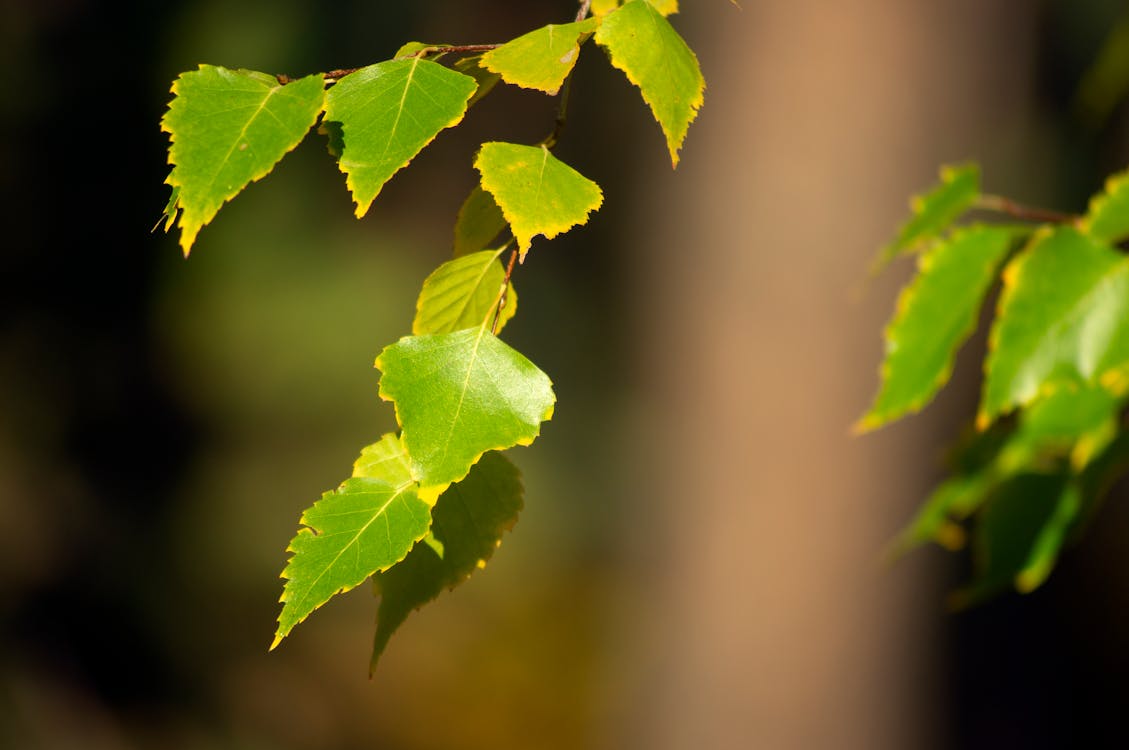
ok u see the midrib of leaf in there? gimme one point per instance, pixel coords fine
(466, 386)
(262, 105)
(380, 513)
(400, 109)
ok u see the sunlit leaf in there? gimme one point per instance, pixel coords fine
(537, 192)
(1063, 317)
(541, 59)
(1108, 217)
(643, 44)
(388, 112)
(229, 128)
(464, 293)
(469, 520)
(366, 525)
(458, 395)
(936, 210)
(936, 313)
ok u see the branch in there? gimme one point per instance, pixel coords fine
(1024, 213)
(464, 49)
(502, 293)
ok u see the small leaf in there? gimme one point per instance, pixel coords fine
(538, 193)
(1063, 317)
(935, 211)
(478, 223)
(463, 293)
(486, 80)
(365, 526)
(458, 395)
(1048, 542)
(229, 128)
(387, 113)
(385, 459)
(469, 520)
(643, 44)
(541, 59)
(936, 313)
(1007, 531)
(1108, 217)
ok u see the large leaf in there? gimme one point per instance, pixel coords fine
(936, 313)
(644, 45)
(603, 7)
(229, 128)
(458, 395)
(479, 222)
(387, 113)
(936, 210)
(1063, 316)
(537, 192)
(464, 293)
(366, 525)
(468, 522)
(541, 59)
(1108, 217)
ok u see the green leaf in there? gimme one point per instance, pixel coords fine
(538, 193)
(387, 113)
(385, 459)
(486, 80)
(643, 44)
(469, 520)
(463, 293)
(541, 59)
(458, 395)
(1063, 317)
(935, 315)
(1049, 540)
(1007, 532)
(1107, 219)
(935, 211)
(478, 223)
(229, 128)
(366, 525)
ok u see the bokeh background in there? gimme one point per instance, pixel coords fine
(698, 563)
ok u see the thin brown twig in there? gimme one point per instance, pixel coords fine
(583, 12)
(1025, 213)
(502, 294)
(455, 49)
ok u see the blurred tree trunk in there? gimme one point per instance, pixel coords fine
(766, 619)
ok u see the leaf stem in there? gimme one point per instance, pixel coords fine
(502, 293)
(1007, 206)
(583, 12)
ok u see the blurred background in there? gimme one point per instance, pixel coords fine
(698, 563)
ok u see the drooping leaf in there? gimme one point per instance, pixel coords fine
(364, 526)
(387, 113)
(935, 315)
(459, 395)
(1072, 422)
(463, 293)
(1007, 531)
(1063, 317)
(642, 43)
(478, 223)
(537, 192)
(1107, 219)
(541, 59)
(1049, 540)
(1105, 83)
(935, 211)
(468, 522)
(229, 128)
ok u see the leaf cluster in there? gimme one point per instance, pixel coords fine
(426, 507)
(1049, 435)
